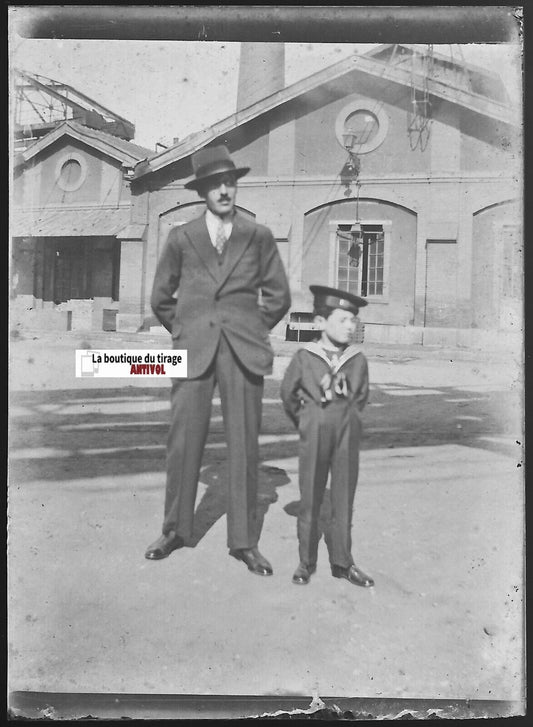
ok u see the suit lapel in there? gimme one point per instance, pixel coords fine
(198, 236)
(241, 236)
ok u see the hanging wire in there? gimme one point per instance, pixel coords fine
(331, 194)
(420, 114)
(378, 105)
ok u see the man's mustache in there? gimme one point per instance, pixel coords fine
(224, 198)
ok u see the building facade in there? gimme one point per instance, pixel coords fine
(395, 174)
(70, 222)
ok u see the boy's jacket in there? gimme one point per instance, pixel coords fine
(310, 372)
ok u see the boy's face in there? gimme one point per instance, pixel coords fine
(339, 326)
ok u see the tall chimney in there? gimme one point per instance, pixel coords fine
(261, 72)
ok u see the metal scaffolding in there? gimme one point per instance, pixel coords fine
(41, 103)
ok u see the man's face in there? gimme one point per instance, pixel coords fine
(219, 193)
(339, 326)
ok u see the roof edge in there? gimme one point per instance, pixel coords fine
(82, 134)
(478, 104)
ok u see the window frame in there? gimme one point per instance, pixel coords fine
(372, 108)
(333, 263)
(63, 159)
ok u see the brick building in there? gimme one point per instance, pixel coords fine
(430, 228)
(70, 221)
(395, 174)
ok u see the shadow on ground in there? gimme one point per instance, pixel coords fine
(212, 505)
(69, 434)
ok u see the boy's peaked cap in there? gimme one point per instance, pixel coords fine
(335, 298)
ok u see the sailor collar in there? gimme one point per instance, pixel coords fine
(348, 353)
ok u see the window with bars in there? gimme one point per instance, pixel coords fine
(360, 259)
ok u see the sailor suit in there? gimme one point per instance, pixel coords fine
(323, 394)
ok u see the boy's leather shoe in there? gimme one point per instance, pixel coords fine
(353, 574)
(302, 574)
(164, 546)
(254, 560)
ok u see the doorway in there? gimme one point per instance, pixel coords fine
(441, 284)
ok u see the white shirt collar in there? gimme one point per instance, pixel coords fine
(348, 353)
(212, 222)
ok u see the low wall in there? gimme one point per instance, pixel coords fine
(446, 337)
(94, 314)
(43, 319)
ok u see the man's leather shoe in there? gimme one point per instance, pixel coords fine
(254, 560)
(164, 546)
(302, 574)
(352, 574)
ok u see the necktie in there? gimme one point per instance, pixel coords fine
(220, 240)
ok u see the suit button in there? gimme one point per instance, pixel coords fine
(211, 324)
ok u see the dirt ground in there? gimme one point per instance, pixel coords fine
(438, 524)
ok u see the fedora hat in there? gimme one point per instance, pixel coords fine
(335, 298)
(210, 161)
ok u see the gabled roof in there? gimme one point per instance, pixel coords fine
(124, 151)
(466, 75)
(364, 64)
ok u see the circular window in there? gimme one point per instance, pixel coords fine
(71, 171)
(361, 126)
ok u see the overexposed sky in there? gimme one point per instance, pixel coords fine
(170, 89)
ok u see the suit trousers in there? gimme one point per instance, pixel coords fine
(241, 394)
(329, 443)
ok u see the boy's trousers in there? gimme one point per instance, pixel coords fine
(329, 442)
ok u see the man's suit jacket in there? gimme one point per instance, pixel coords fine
(221, 294)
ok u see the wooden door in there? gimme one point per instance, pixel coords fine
(510, 274)
(441, 283)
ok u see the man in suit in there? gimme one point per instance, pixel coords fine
(231, 291)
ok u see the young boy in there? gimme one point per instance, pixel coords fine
(324, 390)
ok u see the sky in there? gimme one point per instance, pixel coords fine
(170, 89)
